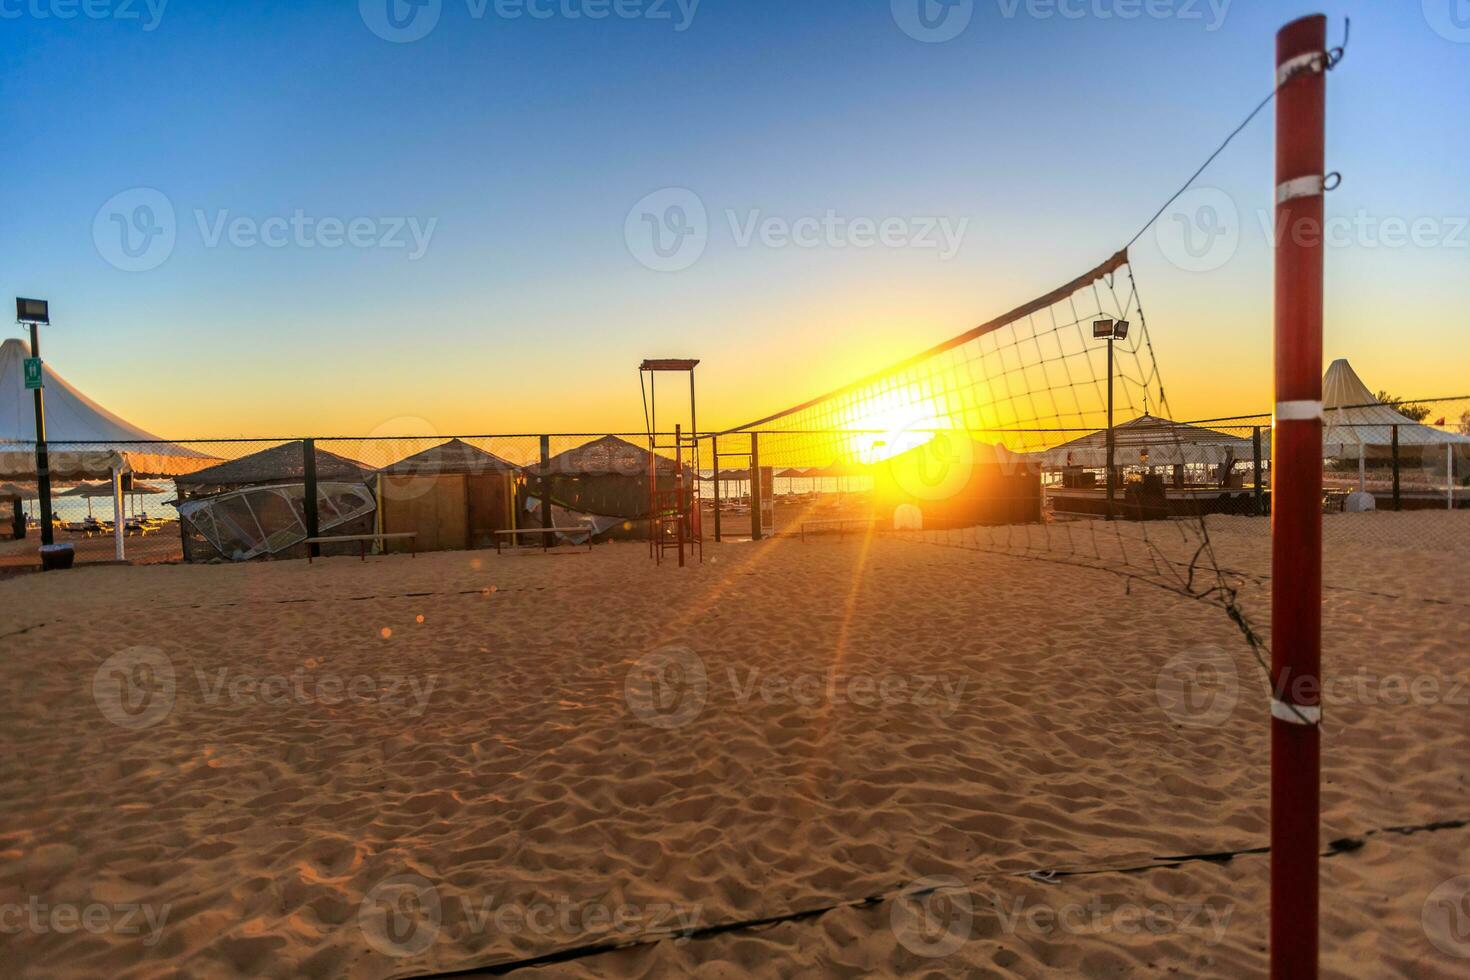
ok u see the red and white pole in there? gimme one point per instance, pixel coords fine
(1296, 499)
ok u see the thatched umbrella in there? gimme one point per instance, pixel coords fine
(104, 489)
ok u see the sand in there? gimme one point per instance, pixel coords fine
(389, 768)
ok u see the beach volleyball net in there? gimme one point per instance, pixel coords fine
(999, 439)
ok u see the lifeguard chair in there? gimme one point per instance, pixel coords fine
(673, 511)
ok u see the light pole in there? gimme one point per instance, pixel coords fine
(1112, 330)
(35, 312)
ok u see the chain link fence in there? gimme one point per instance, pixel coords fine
(244, 499)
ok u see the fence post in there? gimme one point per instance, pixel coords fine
(308, 495)
(1296, 500)
(545, 483)
(1397, 503)
(1256, 460)
(755, 487)
(714, 451)
(680, 513)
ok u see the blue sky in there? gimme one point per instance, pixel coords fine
(519, 144)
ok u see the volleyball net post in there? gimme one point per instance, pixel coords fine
(1296, 505)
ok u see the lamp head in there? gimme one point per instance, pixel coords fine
(32, 311)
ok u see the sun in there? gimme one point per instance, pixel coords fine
(890, 423)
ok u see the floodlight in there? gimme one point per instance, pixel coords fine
(1120, 330)
(32, 311)
(1101, 329)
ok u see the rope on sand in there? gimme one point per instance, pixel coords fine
(1342, 845)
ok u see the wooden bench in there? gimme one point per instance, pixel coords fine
(362, 540)
(545, 532)
(840, 523)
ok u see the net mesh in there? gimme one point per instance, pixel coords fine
(997, 439)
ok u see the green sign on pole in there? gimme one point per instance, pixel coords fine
(33, 373)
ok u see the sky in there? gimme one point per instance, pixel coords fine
(338, 218)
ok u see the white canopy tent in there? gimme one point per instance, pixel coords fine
(90, 442)
(1149, 440)
(1359, 426)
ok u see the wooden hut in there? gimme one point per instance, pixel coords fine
(608, 477)
(453, 496)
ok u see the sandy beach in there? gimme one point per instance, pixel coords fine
(409, 765)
